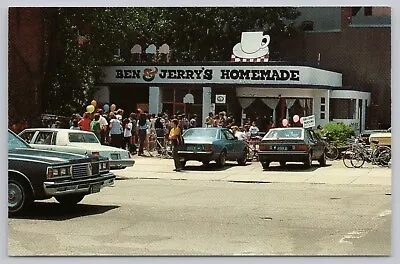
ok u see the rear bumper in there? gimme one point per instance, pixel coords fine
(52, 188)
(292, 156)
(197, 155)
(121, 164)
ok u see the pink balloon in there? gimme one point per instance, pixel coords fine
(285, 122)
(296, 118)
(301, 120)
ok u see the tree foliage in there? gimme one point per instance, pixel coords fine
(83, 39)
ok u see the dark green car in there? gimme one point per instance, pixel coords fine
(41, 174)
(212, 144)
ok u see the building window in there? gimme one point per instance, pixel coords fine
(322, 108)
(342, 108)
(322, 100)
(322, 116)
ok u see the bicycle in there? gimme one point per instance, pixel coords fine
(360, 153)
(159, 145)
(331, 151)
(253, 146)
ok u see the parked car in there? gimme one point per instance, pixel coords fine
(40, 174)
(364, 135)
(208, 144)
(383, 138)
(293, 144)
(76, 141)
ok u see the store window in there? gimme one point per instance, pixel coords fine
(342, 108)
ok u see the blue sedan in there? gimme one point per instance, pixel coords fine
(214, 143)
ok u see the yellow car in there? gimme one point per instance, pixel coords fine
(384, 138)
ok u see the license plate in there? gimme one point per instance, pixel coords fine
(114, 156)
(95, 188)
(281, 148)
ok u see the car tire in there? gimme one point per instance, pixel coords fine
(19, 196)
(70, 199)
(308, 161)
(282, 163)
(322, 160)
(221, 159)
(242, 160)
(265, 164)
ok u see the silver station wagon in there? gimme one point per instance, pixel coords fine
(76, 141)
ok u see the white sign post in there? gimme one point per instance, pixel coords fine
(309, 121)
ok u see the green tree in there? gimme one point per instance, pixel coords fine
(81, 40)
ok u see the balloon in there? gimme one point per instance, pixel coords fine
(112, 108)
(94, 103)
(285, 122)
(301, 120)
(296, 118)
(90, 108)
(106, 107)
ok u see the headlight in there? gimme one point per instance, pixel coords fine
(53, 172)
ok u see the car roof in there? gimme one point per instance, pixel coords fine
(56, 130)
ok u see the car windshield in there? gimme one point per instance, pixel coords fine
(283, 133)
(15, 142)
(82, 138)
(201, 133)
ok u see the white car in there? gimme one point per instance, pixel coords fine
(76, 141)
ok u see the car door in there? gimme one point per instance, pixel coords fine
(230, 144)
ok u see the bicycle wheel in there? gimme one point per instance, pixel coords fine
(357, 160)
(347, 159)
(331, 152)
(384, 156)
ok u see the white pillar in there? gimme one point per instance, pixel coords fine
(102, 94)
(154, 100)
(363, 113)
(206, 104)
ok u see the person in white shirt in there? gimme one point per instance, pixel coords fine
(253, 129)
(126, 123)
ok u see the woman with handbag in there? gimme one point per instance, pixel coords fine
(176, 138)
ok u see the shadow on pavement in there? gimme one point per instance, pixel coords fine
(213, 167)
(293, 167)
(55, 211)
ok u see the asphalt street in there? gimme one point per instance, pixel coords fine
(205, 211)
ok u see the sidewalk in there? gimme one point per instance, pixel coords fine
(334, 173)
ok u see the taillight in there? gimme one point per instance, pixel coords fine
(301, 147)
(96, 153)
(208, 147)
(263, 147)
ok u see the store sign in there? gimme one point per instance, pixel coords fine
(308, 121)
(238, 74)
(220, 99)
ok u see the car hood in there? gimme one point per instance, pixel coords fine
(95, 147)
(45, 155)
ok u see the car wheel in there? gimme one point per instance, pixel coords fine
(308, 161)
(282, 163)
(19, 196)
(322, 159)
(242, 160)
(221, 160)
(69, 199)
(265, 164)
